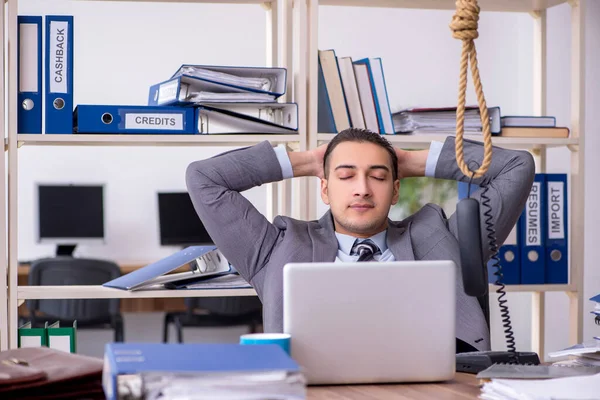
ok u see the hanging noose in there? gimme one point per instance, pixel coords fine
(464, 27)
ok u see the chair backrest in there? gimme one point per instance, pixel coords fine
(74, 271)
(230, 306)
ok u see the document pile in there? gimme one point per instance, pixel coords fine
(443, 120)
(203, 99)
(596, 310)
(230, 99)
(157, 371)
(585, 387)
(586, 354)
(195, 267)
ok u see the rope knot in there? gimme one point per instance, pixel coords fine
(464, 22)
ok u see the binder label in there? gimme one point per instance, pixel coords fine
(532, 216)
(29, 58)
(556, 223)
(58, 56)
(167, 92)
(154, 121)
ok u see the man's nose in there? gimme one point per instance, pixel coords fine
(362, 188)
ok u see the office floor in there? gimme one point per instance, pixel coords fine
(147, 327)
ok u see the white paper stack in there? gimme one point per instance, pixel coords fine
(572, 388)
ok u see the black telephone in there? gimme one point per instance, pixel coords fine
(475, 281)
(464, 27)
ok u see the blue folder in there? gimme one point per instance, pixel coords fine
(134, 119)
(59, 74)
(29, 71)
(137, 358)
(202, 260)
(533, 232)
(557, 226)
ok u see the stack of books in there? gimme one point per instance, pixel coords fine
(352, 94)
(532, 127)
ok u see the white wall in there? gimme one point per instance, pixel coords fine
(122, 48)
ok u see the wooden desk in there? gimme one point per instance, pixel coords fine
(464, 386)
(127, 305)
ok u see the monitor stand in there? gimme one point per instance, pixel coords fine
(65, 250)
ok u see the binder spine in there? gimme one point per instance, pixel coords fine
(532, 231)
(557, 260)
(59, 74)
(29, 71)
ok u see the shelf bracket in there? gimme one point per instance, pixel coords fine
(535, 14)
(537, 151)
(573, 147)
(266, 6)
(292, 146)
(573, 3)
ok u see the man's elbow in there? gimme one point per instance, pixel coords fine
(527, 166)
(193, 176)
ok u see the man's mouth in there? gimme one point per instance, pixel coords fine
(361, 206)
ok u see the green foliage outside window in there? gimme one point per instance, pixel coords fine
(416, 192)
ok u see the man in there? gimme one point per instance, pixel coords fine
(360, 173)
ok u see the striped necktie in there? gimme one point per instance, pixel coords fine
(366, 250)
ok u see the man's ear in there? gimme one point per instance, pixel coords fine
(324, 192)
(396, 192)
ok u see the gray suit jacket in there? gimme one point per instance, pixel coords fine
(259, 249)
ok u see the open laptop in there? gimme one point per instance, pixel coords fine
(371, 322)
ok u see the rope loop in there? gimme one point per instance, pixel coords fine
(464, 27)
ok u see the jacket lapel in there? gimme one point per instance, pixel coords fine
(399, 242)
(325, 245)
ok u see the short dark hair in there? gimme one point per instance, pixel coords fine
(361, 136)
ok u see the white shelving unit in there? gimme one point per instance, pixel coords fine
(150, 140)
(538, 146)
(280, 39)
(292, 43)
(100, 292)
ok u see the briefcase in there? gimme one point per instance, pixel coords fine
(44, 373)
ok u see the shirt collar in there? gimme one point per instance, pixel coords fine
(345, 242)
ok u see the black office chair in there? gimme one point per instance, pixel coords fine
(215, 312)
(92, 313)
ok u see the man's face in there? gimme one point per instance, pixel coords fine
(359, 188)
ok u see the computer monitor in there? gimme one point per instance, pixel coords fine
(69, 215)
(179, 224)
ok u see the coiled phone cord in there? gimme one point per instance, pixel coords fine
(493, 246)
